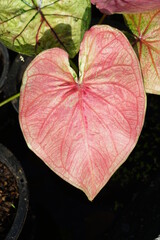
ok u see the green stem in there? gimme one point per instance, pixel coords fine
(102, 19)
(9, 99)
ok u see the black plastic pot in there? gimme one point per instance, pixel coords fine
(7, 158)
(4, 64)
(14, 79)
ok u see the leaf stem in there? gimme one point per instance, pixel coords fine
(9, 99)
(102, 19)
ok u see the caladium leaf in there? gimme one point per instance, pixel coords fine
(85, 128)
(30, 26)
(146, 31)
(127, 6)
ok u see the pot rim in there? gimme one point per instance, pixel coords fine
(5, 56)
(7, 158)
(15, 74)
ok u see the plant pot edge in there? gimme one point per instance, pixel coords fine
(7, 158)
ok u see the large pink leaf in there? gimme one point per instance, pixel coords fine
(146, 31)
(126, 6)
(85, 128)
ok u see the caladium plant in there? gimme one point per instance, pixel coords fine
(146, 34)
(84, 128)
(30, 26)
(126, 6)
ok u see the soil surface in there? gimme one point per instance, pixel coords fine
(8, 199)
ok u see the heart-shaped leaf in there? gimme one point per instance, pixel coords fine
(127, 6)
(85, 128)
(30, 26)
(146, 32)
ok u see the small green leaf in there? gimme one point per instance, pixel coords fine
(13, 205)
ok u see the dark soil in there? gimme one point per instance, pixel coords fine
(8, 199)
